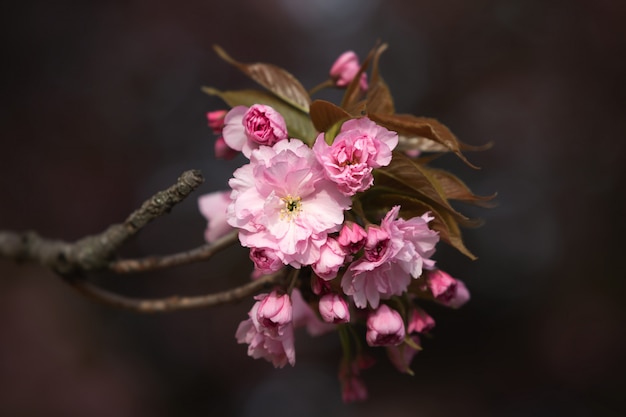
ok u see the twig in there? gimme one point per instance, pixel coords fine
(162, 305)
(201, 253)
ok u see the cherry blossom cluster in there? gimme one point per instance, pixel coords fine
(297, 208)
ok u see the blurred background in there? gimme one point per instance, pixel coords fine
(102, 107)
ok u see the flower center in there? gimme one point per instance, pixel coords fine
(293, 206)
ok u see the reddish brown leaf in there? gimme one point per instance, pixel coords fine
(455, 189)
(423, 127)
(325, 115)
(409, 177)
(379, 99)
(275, 79)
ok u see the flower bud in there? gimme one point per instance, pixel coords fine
(420, 321)
(384, 327)
(345, 68)
(334, 309)
(352, 237)
(216, 120)
(448, 291)
(264, 125)
(274, 313)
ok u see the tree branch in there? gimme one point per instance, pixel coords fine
(95, 252)
(201, 253)
(174, 303)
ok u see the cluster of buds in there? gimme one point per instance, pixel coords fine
(338, 199)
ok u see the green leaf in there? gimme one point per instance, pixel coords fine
(428, 128)
(298, 123)
(275, 79)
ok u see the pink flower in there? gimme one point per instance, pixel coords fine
(275, 313)
(360, 147)
(345, 68)
(267, 342)
(353, 389)
(216, 120)
(384, 327)
(331, 259)
(213, 207)
(334, 309)
(265, 260)
(245, 129)
(402, 355)
(352, 237)
(304, 316)
(394, 252)
(283, 201)
(448, 291)
(420, 321)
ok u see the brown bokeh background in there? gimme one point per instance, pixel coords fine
(102, 107)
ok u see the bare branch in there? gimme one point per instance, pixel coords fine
(174, 303)
(95, 252)
(201, 253)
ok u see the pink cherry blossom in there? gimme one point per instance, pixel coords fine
(332, 257)
(420, 321)
(385, 327)
(402, 355)
(216, 120)
(334, 309)
(394, 252)
(283, 201)
(361, 146)
(353, 389)
(345, 68)
(267, 342)
(213, 207)
(246, 128)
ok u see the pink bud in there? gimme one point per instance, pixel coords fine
(275, 312)
(420, 321)
(448, 291)
(222, 150)
(334, 309)
(264, 125)
(345, 68)
(384, 327)
(319, 286)
(331, 259)
(216, 120)
(265, 260)
(352, 237)
(353, 389)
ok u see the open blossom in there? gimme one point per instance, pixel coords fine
(261, 333)
(282, 201)
(213, 207)
(345, 68)
(394, 252)
(385, 327)
(360, 146)
(352, 237)
(246, 128)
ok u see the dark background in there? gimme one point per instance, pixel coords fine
(102, 107)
